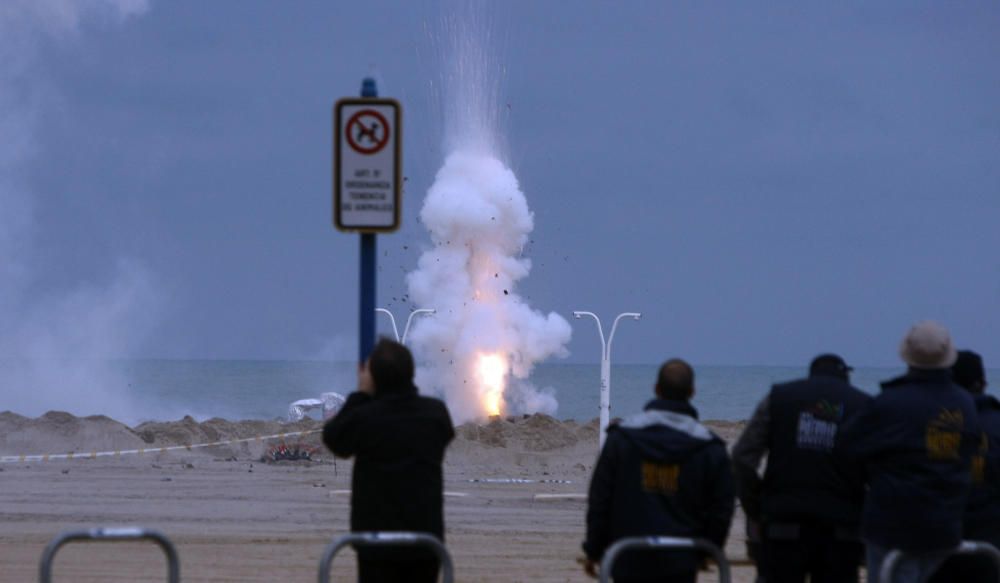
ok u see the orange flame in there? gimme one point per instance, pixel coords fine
(492, 372)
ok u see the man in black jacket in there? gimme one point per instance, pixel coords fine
(915, 440)
(809, 503)
(660, 473)
(982, 512)
(398, 439)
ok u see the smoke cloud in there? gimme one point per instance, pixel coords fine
(55, 346)
(479, 222)
(61, 19)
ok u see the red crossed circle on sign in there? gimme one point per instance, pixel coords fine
(369, 127)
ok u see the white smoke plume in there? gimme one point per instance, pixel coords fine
(55, 347)
(62, 19)
(479, 348)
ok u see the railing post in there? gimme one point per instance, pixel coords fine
(110, 534)
(967, 547)
(663, 542)
(387, 539)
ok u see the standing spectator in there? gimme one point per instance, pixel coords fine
(982, 513)
(661, 472)
(398, 440)
(809, 503)
(915, 440)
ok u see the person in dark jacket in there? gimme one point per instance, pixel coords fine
(982, 512)
(916, 441)
(809, 503)
(398, 439)
(661, 472)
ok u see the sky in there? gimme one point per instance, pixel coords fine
(762, 183)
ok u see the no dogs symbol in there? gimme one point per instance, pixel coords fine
(367, 131)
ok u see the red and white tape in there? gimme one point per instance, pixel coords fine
(45, 457)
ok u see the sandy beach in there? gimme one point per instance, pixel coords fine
(514, 506)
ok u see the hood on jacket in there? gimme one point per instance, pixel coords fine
(666, 431)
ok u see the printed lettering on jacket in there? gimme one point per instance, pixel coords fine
(660, 478)
(817, 429)
(944, 435)
(979, 461)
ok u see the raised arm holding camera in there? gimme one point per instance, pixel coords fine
(397, 439)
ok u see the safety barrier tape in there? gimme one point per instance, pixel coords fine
(517, 481)
(447, 493)
(45, 457)
(567, 496)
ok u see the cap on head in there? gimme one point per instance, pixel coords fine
(928, 345)
(968, 371)
(830, 365)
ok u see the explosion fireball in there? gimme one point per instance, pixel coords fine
(492, 373)
(484, 339)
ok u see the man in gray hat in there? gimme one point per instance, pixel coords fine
(809, 503)
(915, 441)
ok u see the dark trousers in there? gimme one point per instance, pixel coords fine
(646, 565)
(675, 578)
(821, 552)
(380, 571)
(967, 569)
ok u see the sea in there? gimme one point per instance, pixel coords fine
(263, 389)
(255, 389)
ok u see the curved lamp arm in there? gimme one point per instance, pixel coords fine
(392, 319)
(634, 315)
(600, 331)
(406, 329)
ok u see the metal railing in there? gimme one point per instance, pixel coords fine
(110, 534)
(892, 559)
(663, 542)
(387, 539)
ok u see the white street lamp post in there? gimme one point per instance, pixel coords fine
(409, 320)
(605, 407)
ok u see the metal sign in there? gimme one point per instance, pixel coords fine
(367, 178)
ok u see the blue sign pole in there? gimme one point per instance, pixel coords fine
(366, 336)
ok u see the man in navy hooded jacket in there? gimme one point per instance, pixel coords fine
(916, 441)
(663, 473)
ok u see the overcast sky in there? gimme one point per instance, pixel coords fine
(763, 183)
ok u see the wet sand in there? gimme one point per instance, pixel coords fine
(234, 518)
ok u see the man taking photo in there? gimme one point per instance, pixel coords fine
(398, 439)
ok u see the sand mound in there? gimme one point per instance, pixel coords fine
(531, 446)
(494, 434)
(188, 431)
(535, 438)
(60, 432)
(10, 421)
(544, 433)
(537, 432)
